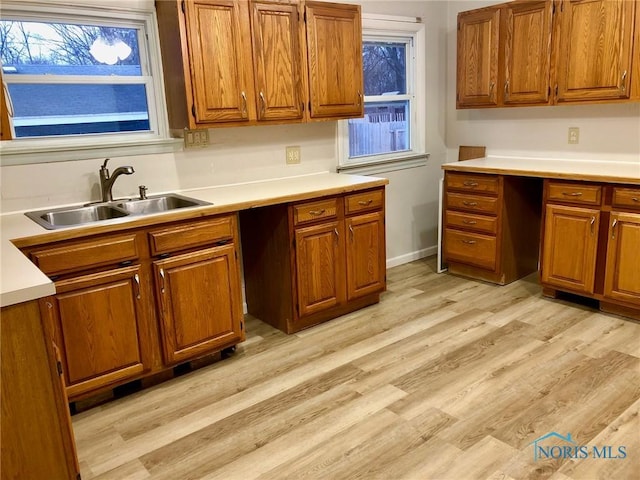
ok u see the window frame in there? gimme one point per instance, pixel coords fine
(391, 28)
(27, 150)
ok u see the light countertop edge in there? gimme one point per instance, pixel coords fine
(585, 170)
(22, 281)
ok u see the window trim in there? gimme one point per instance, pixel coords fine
(28, 150)
(384, 26)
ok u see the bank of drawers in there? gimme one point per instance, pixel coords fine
(471, 219)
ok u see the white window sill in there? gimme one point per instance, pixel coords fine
(372, 167)
(17, 153)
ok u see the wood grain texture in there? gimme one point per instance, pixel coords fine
(6, 127)
(444, 378)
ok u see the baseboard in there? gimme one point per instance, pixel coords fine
(411, 256)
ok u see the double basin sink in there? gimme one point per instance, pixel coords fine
(87, 214)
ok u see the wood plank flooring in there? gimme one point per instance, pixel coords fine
(446, 378)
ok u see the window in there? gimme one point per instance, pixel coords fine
(80, 79)
(391, 131)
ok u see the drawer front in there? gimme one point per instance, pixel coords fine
(469, 221)
(189, 235)
(470, 248)
(626, 197)
(469, 182)
(360, 202)
(472, 203)
(86, 254)
(575, 193)
(312, 211)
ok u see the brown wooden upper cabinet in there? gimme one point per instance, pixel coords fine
(245, 62)
(595, 43)
(547, 52)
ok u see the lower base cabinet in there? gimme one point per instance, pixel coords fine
(136, 303)
(591, 243)
(308, 262)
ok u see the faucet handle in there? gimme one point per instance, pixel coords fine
(104, 165)
(143, 192)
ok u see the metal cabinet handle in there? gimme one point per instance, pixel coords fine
(469, 242)
(572, 194)
(613, 228)
(136, 278)
(593, 220)
(335, 230)
(635, 199)
(351, 232)
(469, 183)
(365, 203)
(470, 204)
(623, 87)
(469, 222)
(491, 85)
(263, 103)
(244, 104)
(161, 280)
(316, 212)
(359, 98)
(506, 88)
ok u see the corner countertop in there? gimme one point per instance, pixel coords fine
(21, 280)
(586, 170)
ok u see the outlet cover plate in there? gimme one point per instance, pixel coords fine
(293, 155)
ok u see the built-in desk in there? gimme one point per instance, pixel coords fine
(578, 222)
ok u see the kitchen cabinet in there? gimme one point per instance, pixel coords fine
(135, 303)
(37, 438)
(241, 62)
(491, 226)
(334, 39)
(308, 262)
(571, 242)
(504, 55)
(6, 112)
(590, 243)
(595, 45)
(199, 292)
(547, 52)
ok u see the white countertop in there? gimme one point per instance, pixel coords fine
(588, 170)
(21, 280)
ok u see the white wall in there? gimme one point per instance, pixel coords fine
(607, 132)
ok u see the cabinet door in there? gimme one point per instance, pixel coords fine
(595, 47)
(6, 112)
(527, 52)
(478, 58)
(100, 319)
(200, 301)
(319, 267)
(334, 44)
(366, 266)
(219, 43)
(278, 59)
(569, 247)
(622, 277)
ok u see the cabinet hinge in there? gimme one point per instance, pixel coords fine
(549, 93)
(309, 105)
(193, 111)
(302, 106)
(556, 90)
(553, 9)
(183, 7)
(305, 16)
(78, 477)
(59, 368)
(241, 326)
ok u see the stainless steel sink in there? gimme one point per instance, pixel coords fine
(83, 215)
(70, 216)
(160, 203)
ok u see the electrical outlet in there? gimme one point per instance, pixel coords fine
(574, 135)
(196, 138)
(293, 155)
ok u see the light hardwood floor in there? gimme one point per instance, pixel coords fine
(446, 378)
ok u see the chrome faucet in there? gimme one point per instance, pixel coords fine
(107, 181)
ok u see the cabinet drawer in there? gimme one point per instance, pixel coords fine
(575, 193)
(472, 203)
(626, 197)
(468, 221)
(476, 183)
(360, 202)
(311, 211)
(86, 254)
(189, 235)
(470, 248)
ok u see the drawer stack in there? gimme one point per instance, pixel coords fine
(491, 225)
